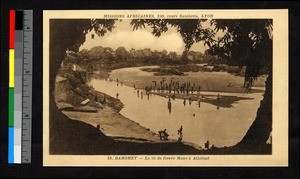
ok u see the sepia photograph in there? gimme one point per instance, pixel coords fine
(164, 88)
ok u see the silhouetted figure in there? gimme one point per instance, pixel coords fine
(169, 105)
(248, 86)
(212, 147)
(190, 100)
(180, 133)
(218, 98)
(184, 101)
(207, 145)
(199, 102)
(117, 95)
(163, 135)
(138, 93)
(194, 114)
(142, 94)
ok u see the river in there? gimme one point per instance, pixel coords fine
(221, 127)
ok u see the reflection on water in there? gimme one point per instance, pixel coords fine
(219, 126)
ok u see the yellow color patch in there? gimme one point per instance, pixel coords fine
(11, 68)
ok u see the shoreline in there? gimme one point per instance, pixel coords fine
(105, 126)
(106, 118)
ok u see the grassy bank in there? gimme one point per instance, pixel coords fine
(180, 69)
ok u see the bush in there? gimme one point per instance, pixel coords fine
(169, 71)
(217, 68)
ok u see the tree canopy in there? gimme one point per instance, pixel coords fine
(244, 41)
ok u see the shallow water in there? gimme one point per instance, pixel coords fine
(221, 127)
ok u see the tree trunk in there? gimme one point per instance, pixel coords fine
(260, 130)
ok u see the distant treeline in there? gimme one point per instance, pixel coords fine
(99, 57)
(105, 55)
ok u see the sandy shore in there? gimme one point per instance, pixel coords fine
(115, 125)
(111, 122)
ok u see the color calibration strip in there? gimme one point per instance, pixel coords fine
(20, 85)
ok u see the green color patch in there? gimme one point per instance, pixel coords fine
(11, 107)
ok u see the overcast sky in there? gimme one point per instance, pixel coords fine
(123, 35)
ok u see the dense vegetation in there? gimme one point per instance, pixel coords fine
(171, 63)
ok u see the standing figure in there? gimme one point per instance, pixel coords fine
(169, 105)
(207, 145)
(179, 132)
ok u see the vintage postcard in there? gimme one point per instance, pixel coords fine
(165, 88)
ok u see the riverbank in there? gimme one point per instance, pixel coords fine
(113, 128)
(97, 113)
(208, 81)
(223, 82)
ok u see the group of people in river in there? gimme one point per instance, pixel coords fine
(187, 89)
(173, 87)
(184, 88)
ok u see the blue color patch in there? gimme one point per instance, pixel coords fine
(10, 144)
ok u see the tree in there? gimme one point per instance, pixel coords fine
(69, 34)
(122, 54)
(246, 41)
(172, 56)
